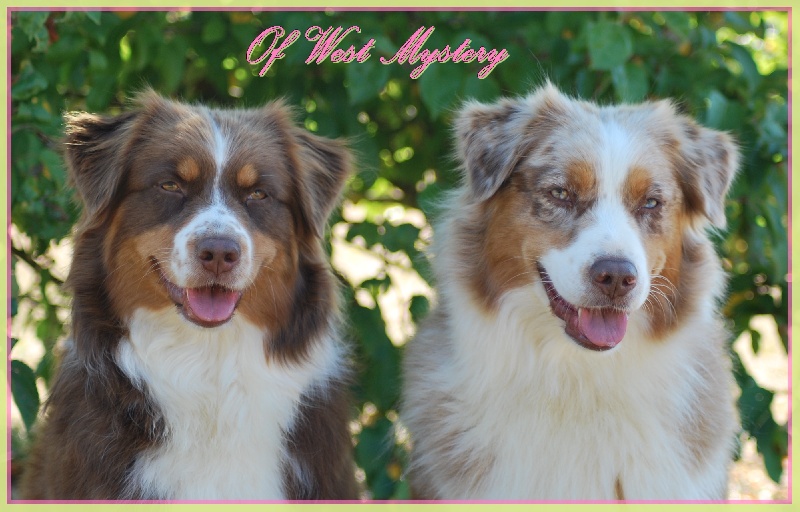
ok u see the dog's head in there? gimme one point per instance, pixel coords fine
(207, 210)
(595, 206)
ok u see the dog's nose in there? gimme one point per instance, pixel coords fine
(614, 277)
(218, 255)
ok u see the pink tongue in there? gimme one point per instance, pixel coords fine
(212, 304)
(603, 327)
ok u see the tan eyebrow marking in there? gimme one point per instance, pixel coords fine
(581, 175)
(188, 169)
(637, 185)
(247, 176)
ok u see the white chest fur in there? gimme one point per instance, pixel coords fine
(562, 422)
(226, 407)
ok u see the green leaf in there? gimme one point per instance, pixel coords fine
(402, 491)
(485, 89)
(213, 30)
(400, 238)
(748, 65)
(717, 109)
(66, 51)
(47, 331)
(28, 84)
(419, 308)
(610, 45)
(754, 405)
(46, 366)
(382, 485)
(366, 230)
(376, 286)
(97, 61)
(172, 64)
(755, 340)
(373, 445)
(381, 377)
(32, 25)
(678, 21)
(32, 113)
(430, 199)
(366, 178)
(94, 16)
(101, 92)
(772, 445)
(738, 21)
(146, 43)
(373, 453)
(14, 297)
(423, 267)
(365, 80)
(438, 88)
(23, 389)
(630, 82)
(55, 167)
(772, 129)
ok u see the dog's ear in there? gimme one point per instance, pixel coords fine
(487, 145)
(93, 148)
(492, 138)
(324, 166)
(707, 164)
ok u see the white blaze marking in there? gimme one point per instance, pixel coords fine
(615, 160)
(216, 219)
(220, 151)
(612, 232)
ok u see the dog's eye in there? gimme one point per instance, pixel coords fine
(257, 195)
(650, 203)
(170, 186)
(560, 193)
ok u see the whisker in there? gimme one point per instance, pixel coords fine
(673, 311)
(516, 276)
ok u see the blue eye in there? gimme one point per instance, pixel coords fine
(651, 203)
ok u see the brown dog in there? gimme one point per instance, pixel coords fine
(205, 359)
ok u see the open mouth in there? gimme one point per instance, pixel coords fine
(206, 306)
(593, 328)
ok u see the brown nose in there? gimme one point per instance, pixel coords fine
(614, 277)
(218, 255)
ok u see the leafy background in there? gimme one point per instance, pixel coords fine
(729, 69)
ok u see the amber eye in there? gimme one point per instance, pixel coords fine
(560, 193)
(170, 186)
(650, 203)
(256, 195)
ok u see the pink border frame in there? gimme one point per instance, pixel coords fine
(9, 10)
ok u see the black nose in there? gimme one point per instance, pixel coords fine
(614, 277)
(218, 255)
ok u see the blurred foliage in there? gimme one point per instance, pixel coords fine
(728, 69)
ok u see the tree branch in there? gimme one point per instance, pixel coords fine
(27, 258)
